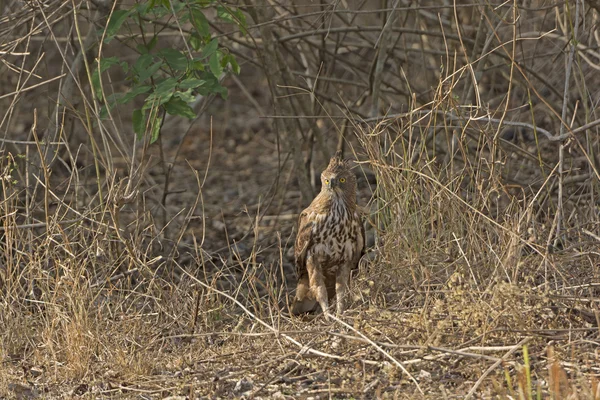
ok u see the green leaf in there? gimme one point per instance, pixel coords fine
(105, 63)
(155, 129)
(166, 86)
(230, 59)
(234, 16)
(153, 101)
(146, 48)
(212, 85)
(210, 48)
(195, 41)
(234, 65)
(186, 96)
(142, 63)
(162, 93)
(109, 103)
(152, 44)
(114, 24)
(141, 8)
(159, 10)
(222, 91)
(178, 6)
(150, 71)
(198, 65)
(176, 106)
(174, 58)
(191, 83)
(215, 65)
(134, 92)
(144, 69)
(200, 23)
(104, 111)
(138, 123)
(113, 99)
(227, 14)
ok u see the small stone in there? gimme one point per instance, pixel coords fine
(243, 385)
(424, 375)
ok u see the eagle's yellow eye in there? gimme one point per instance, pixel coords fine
(342, 180)
(327, 181)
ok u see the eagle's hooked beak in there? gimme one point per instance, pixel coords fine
(331, 183)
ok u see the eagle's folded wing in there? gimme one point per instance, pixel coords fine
(303, 242)
(304, 300)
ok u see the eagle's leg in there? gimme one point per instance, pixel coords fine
(304, 301)
(342, 279)
(317, 284)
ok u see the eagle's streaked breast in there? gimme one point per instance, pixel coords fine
(337, 237)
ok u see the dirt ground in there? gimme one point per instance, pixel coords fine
(418, 326)
(464, 292)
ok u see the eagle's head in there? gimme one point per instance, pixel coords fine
(338, 181)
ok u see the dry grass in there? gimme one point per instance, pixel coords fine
(137, 271)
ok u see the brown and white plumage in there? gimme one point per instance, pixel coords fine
(330, 241)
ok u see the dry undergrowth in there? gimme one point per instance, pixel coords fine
(120, 280)
(451, 293)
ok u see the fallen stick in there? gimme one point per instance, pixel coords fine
(495, 365)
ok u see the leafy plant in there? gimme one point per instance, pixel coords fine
(169, 79)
